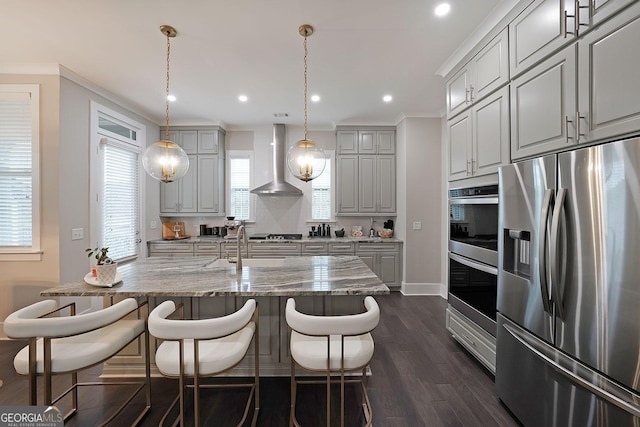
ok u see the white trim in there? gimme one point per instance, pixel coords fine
(240, 154)
(21, 256)
(412, 289)
(31, 68)
(95, 169)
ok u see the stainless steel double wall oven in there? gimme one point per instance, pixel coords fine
(473, 253)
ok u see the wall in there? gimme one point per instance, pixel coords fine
(420, 189)
(21, 281)
(75, 133)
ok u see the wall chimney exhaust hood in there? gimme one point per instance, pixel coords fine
(278, 187)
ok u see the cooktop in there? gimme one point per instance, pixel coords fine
(275, 236)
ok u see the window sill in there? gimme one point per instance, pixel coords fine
(21, 256)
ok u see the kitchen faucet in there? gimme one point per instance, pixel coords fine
(241, 234)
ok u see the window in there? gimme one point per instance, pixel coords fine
(117, 181)
(19, 172)
(321, 194)
(239, 185)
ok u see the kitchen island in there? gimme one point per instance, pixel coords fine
(209, 287)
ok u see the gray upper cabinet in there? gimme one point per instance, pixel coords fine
(347, 184)
(608, 78)
(208, 142)
(180, 196)
(365, 180)
(479, 137)
(347, 142)
(487, 71)
(543, 106)
(594, 12)
(541, 29)
(201, 190)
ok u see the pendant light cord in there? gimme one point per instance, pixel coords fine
(306, 52)
(166, 129)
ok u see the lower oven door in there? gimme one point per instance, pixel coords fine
(473, 288)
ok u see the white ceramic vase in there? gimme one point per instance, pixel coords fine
(106, 273)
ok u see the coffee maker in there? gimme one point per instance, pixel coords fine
(231, 226)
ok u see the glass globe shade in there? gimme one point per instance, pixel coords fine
(306, 160)
(165, 161)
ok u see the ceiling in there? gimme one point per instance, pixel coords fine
(360, 51)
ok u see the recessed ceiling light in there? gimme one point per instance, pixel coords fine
(171, 98)
(442, 9)
(315, 98)
(243, 98)
(387, 98)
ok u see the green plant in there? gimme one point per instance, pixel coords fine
(100, 254)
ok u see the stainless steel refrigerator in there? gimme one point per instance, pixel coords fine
(568, 339)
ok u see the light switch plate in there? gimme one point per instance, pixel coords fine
(77, 234)
(417, 225)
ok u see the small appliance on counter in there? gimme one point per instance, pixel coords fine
(231, 226)
(174, 231)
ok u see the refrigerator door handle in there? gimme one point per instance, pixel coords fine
(577, 373)
(555, 233)
(542, 246)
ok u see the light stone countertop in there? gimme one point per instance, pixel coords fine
(212, 239)
(196, 277)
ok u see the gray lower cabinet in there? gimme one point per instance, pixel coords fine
(543, 106)
(230, 249)
(314, 248)
(384, 259)
(274, 250)
(340, 248)
(206, 249)
(171, 249)
(608, 78)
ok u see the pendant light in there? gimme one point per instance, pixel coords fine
(305, 159)
(165, 160)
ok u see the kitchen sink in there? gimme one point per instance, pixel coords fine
(250, 262)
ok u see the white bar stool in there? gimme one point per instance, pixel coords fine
(68, 344)
(205, 348)
(332, 345)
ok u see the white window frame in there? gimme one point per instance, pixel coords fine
(330, 155)
(96, 184)
(33, 252)
(329, 160)
(241, 154)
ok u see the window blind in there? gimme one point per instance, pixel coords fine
(16, 206)
(321, 194)
(240, 177)
(120, 201)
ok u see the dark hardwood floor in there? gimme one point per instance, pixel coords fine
(421, 377)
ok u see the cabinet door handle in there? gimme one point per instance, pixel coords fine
(566, 17)
(466, 96)
(471, 92)
(468, 164)
(473, 166)
(577, 12)
(566, 128)
(578, 118)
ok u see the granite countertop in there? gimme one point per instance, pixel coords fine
(205, 239)
(197, 277)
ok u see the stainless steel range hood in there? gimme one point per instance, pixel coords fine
(278, 187)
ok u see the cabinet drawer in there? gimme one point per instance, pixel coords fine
(376, 247)
(479, 343)
(341, 248)
(207, 248)
(313, 248)
(266, 249)
(171, 247)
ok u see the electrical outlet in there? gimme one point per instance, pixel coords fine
(417, 225)
(153, 224)
(77, 234)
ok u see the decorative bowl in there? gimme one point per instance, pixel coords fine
(386, 233)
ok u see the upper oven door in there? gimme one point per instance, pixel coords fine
(473, 226)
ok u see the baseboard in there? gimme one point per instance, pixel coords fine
(411, 289)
